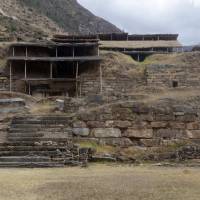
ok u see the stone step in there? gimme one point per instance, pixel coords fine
(39, 121)
(23, 130)
(36, 134)
(25, 159)
(55, 143)
(53, 153)
(33, 139)
(42, 118)
(31, 164)
(39, 139)
(30, 126)
(31, 148)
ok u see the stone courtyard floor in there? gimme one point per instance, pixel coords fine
(101, 182)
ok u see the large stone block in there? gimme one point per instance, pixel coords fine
(150, 142)
(106, 132)
(138, 133)
(159, 124)
(79, 124)
(163, 117)
(177, 125)
(193, 126)
(122, 142)
(187, 118)
(193, 134)
(122, 124)
(140, 125)
(96, 124)
(169, 133)
(81, 131)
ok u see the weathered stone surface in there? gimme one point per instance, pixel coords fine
(122, 113)
(140, 125)
(193, 134)
(140, 108)
(81, 131)
(79, 124)
(104, 117)
(187, 118)
(122, 124)
(159, 124)
(138, 133)
(3, 127)
(150, 142)
(87, 116)
(96, 124)
(193, 126)
(170, 133)
(106, 132)
(163, 117)
(120, 142)
(177, 125)
(146, 117)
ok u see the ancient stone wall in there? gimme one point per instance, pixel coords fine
(116, 85)
(173, 75)
(137, 124)
(4, 83)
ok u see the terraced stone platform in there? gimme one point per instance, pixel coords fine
(40, 141)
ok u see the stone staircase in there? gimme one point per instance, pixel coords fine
(40, 141)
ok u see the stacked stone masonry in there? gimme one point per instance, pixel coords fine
(133, 123)
(173, 75)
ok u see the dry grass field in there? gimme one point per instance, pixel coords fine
(101, 182)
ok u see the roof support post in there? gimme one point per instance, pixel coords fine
(25, 70)
(13, 51)
(10, 76)
(138, 57)
(29, 88)
(56, 52)
(73, 51)
(26, 52)
(51, 70)
(101, 79)
(77, 69)
(98, 50)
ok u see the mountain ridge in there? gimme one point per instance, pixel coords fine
(39, 19)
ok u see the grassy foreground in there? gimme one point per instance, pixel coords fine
(100, 182)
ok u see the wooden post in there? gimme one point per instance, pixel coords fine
(98, 50)
(73, 53)
(29, 89)
(80, 90)
(77, 79)
(10, 76)
(26, 52)
(51, 70)
(101, 79)
(25, 70)
(13, 51)
(56, 52)
(138, 58)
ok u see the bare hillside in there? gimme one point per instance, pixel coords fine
(38, 19)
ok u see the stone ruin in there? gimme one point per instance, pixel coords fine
(96, 108)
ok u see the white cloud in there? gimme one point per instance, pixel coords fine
(151, 16)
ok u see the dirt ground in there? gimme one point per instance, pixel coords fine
(101, 182)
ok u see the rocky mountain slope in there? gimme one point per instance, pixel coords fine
(36, 19)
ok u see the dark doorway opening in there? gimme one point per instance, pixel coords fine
(174, 84)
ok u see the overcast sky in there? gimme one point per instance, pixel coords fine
(151, 16)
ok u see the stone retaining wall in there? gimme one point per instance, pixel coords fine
(116, 85)
(4, 84)
(137, 124)
(168, 75)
